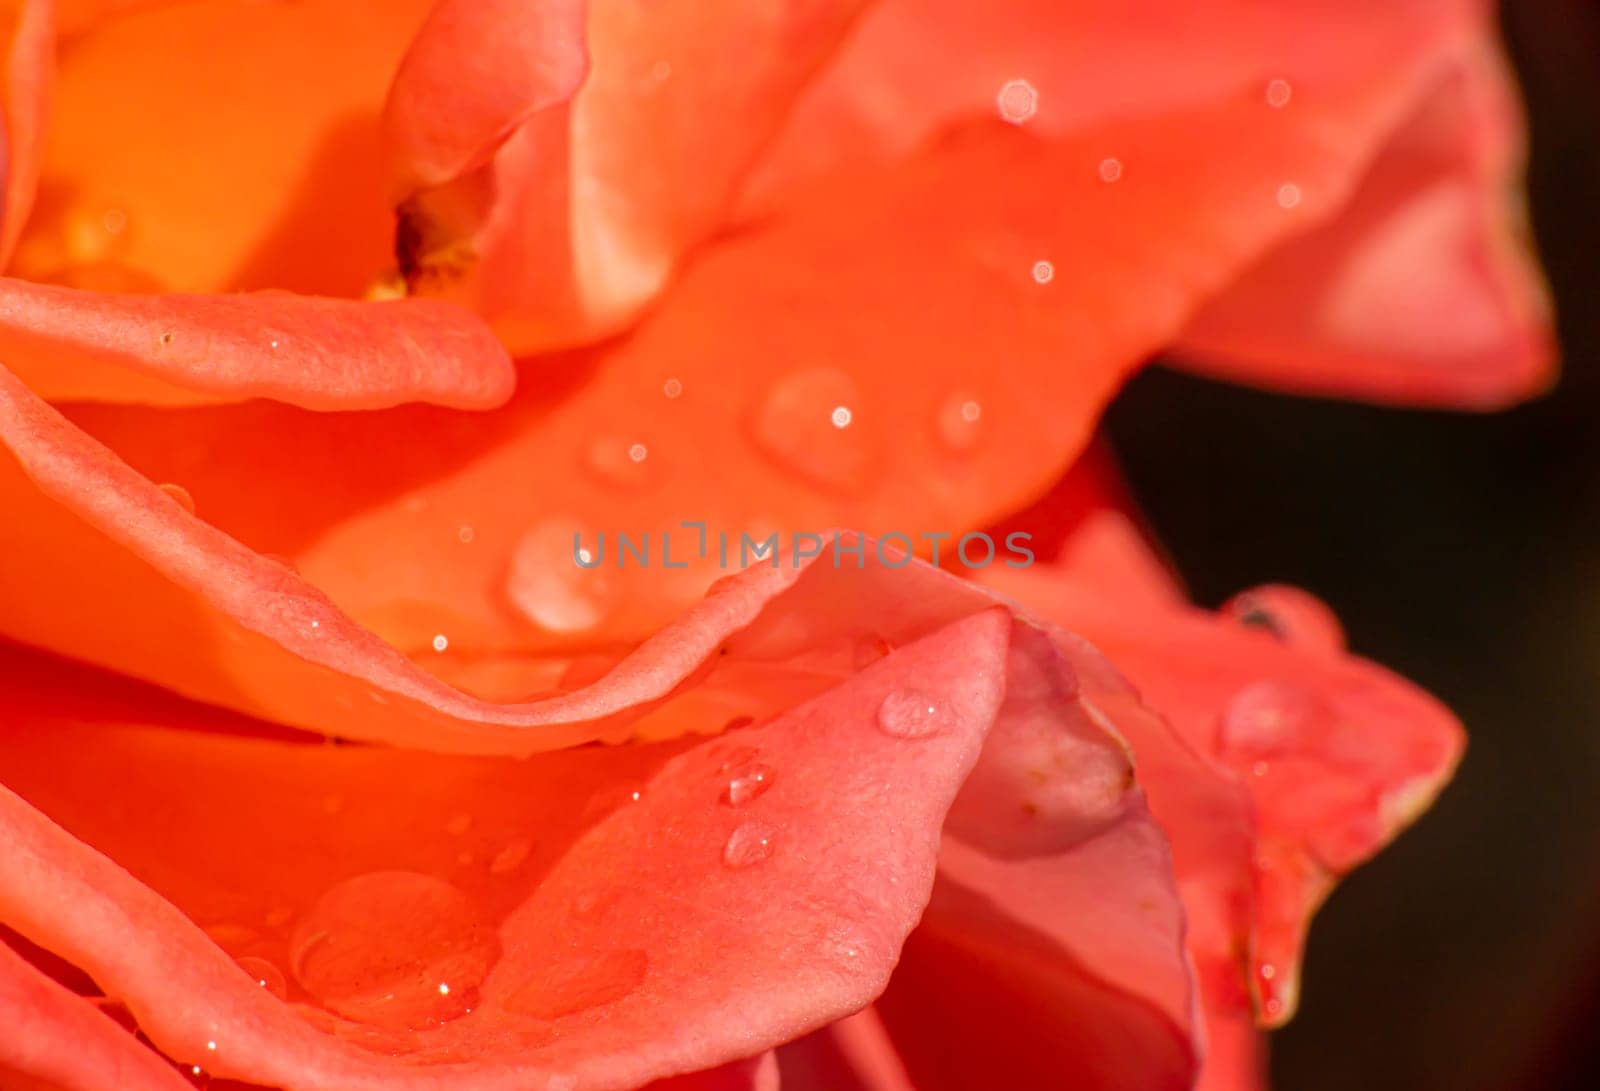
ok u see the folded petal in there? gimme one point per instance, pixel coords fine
(559, 212)
(307, 351)
(29, 43)
(1423, 290)
(601, 916)
(58, 1041)
(199, 147)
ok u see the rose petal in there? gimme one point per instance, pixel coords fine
(215, 147)
(230, 828)
(56, 1041)
(307, 351)
(559, 217)
(1422, 291)
(29, 73)
(853, 1054)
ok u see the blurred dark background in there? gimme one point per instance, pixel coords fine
(1464, 552)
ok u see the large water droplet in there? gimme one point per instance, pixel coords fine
(811, 424)
(572, 985)
(377, 948)
(959, 423)
(1266, 718)
(266, 975)
(747, 781)
(910, 714)
(550, 587)
(750, 844)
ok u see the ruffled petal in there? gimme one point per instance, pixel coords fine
(29, 41)
(1423, 290)
(574, 903)
(58, 1041)
(200, 147)
(559, 212)
(317, 353)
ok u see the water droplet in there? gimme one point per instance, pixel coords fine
(1288, 613)
(1278, 93)
(510, 858)
(910, 714)
(620, 462)
(750, 844)
(466, 534)
(672, 388)
(1110, 170)
(180, 494)
(440, 642)
(959, 422)
(570, 985)
(1268, 971)
(1018, 101)
(266, 975)
(1288, 195)
(1044, 272)
(375, 948)
(458, 825)
(1266, 718)
(748, 782)
(548, 585)
(808, 424)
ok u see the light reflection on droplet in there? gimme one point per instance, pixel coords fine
(266, 975)
(1288, 195)
(1044, 272)
(440, 642)
(909, 714)
(840, 416)
(1110, 170)
(1018, 101)
(748, 782)
(748, 845)
(672, 388)
(1278, 93)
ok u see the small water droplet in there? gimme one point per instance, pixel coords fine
(374, 949)
(1110, 170)
(510, 858)
(809, 424)
(440, 642)
(266, 975)
(910, 714)
(576, 984)
(959, 422)
(620, 462)
(180, 494)
(547, 584)
(1018, 101)
(466, 534)
(1278, 93)
(750, 844)
(1268, 971)
(748, 782)
(1044, 272)
(672, 388)
(1288, 195)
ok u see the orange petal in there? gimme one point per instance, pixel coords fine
(317, 353)
(24, 106)
(1423, 290)
(220, 146)
(558, 217)
(591, 912)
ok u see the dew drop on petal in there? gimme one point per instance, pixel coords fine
(909, 714)
(1278, 93)
(466, 534)
(1110, 170)
(808, 423)
(747, 782)
(440, 642)
(1044, 272)
(672, 388)
(579, 983)
(266, 975)
(510, 858)
(180, 494)
(750, 844)
(375, 948)
(1018, 101)
(548, 585)
(1288, 195)
(959, 422)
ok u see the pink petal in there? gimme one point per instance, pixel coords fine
(304, 350)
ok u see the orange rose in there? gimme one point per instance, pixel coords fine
(417, 375)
